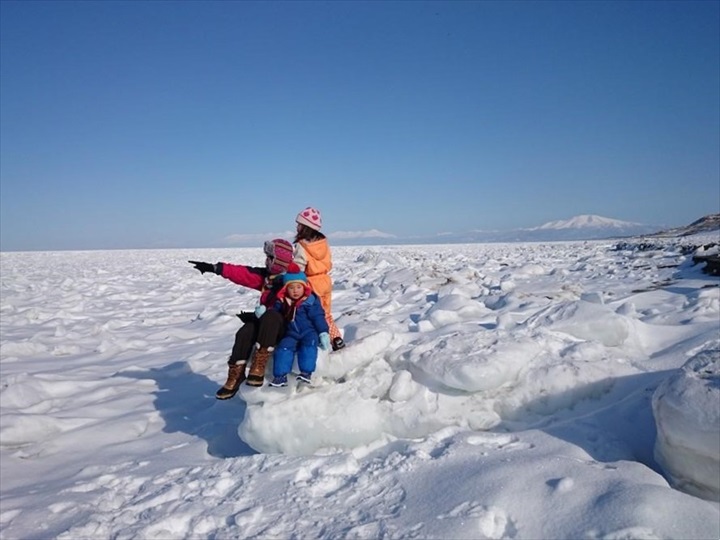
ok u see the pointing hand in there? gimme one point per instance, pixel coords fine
(203, 266)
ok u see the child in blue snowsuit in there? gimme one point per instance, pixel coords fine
(305, 328)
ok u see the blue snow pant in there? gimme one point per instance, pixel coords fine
(306, 348)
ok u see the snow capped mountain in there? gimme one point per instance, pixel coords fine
(587, 221)
(582, 227)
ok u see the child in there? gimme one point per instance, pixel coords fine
(312, 255)
(262, 330)
(305, 325)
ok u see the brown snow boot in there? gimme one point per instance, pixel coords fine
(236, 375)
(256, 377)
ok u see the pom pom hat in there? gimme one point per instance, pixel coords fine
(280, 255)
(310, 217)
(294, 275)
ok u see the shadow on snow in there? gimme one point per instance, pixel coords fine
(613, 421)
(186, 402)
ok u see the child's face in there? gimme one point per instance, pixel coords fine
(295, 290)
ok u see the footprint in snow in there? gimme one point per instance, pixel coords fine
(492, 522)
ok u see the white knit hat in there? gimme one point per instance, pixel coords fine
(310, 217)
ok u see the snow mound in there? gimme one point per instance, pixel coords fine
(301, 420)
(586, 321)
(687, 414)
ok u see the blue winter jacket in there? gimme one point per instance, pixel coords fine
(308, 316)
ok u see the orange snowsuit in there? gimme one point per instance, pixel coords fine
(315, 259)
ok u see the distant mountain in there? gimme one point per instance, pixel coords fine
(583, 227)
(588, 222)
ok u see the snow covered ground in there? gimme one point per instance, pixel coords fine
(487, 391)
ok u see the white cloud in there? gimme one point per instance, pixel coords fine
(259, 238)
(255, 239)
(372, 233)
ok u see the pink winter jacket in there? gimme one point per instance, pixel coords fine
(256, 278)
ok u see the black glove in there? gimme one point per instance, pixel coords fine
(204, 267)
(247, 316)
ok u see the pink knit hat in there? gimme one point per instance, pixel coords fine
(310, 217)
(280, 253)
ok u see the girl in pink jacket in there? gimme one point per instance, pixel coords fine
(263, 328)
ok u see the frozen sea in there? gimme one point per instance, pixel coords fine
(487, 391)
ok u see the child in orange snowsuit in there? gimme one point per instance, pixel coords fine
(312, 255)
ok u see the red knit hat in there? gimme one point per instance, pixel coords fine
(294, 275)
(280, 253)
(310, 217)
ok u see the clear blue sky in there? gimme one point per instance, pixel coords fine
(178, 124)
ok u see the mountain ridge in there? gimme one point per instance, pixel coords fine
(576, 228)
(585, 221)
(707, 223)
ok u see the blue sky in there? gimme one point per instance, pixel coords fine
(181, 124)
